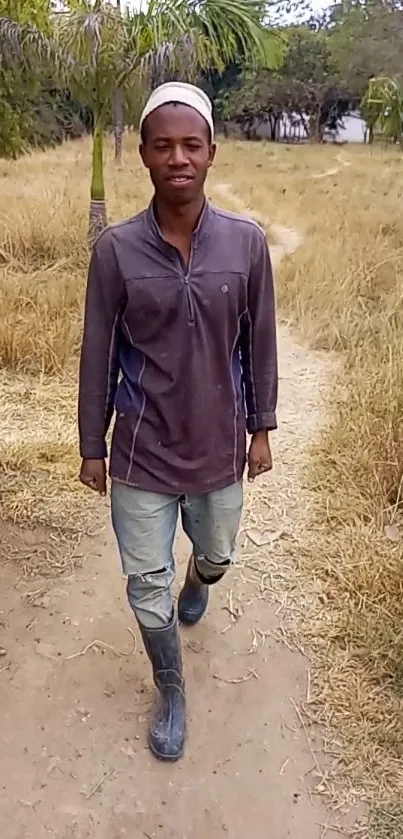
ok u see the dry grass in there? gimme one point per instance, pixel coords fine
(43, 262)
(343, 289)
(38, 453)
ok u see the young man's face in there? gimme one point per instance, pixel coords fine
(177, 151)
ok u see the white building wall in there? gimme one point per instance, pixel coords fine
(352, 130)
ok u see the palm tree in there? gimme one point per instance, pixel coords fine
(384, 104)
(118, 112)
(96, 52)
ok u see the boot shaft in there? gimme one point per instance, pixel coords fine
(168, 728)
(164, 651)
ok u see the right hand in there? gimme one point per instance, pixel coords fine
(93, 475)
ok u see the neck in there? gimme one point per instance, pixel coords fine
(176, 219)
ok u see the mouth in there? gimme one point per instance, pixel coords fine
(180, 180)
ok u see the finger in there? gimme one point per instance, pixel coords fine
(252, 471)
(257, 468)
(89, 481)
(264, 467)
(100, 484)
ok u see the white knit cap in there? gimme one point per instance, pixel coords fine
(184, 94)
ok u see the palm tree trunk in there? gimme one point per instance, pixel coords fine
(118, 123)
(97, 216)
(118, 113)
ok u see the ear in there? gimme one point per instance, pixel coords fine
(143, 154)
(212, 153)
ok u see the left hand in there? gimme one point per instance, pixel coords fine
(259, 456)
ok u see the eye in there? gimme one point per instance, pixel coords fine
(194, 145)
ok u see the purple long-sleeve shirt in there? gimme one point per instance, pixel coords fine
(186, 356)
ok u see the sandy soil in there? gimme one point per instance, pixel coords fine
(74, 761)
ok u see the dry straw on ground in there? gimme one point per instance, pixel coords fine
(343, 290)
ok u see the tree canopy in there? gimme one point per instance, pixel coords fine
(257, 60)
(329, 61)
(100, 57)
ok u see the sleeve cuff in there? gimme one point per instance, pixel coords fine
(265, 421)
(93, 449)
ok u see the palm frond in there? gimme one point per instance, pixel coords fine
(84, 34)
(232, 28)
(181, 37)
(385, 99)
(25, 44)
(10, 38)
(95, 49)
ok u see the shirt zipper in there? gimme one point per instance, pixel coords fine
(189, 297)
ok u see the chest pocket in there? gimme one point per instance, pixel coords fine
(223, 292)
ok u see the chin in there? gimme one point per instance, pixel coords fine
(180, 197)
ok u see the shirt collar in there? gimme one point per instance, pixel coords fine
(199, 233)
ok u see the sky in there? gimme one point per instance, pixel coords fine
(316, 5)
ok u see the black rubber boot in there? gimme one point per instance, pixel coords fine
(168, 729)
(193, 599)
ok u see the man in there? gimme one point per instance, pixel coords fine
(180, 306)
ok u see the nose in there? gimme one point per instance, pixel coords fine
(178, 157)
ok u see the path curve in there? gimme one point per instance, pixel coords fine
(334, 170)
(76, 691)
(288, 240)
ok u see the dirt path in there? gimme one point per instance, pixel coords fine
(73, 727)
(334, 170)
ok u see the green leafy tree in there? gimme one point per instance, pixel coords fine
(15, 117)
(366, 39)
(309, 74)
(305, 84)
(96, 52)
(384, 98)
(35, 12)
(20, 85)
(370, 112)
(259, 97)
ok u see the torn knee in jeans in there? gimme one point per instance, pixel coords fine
(143, 578)
(210, 572)
(140, 586)
(150, 597)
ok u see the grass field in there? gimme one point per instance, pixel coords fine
(343, 291)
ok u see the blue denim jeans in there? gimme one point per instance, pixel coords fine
(145, 525)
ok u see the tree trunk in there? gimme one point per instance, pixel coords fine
(117, 106)
(118, 123)
(97, 215)
(315, 129)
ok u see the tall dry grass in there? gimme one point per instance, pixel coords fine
(43, 262)
(343, 290)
